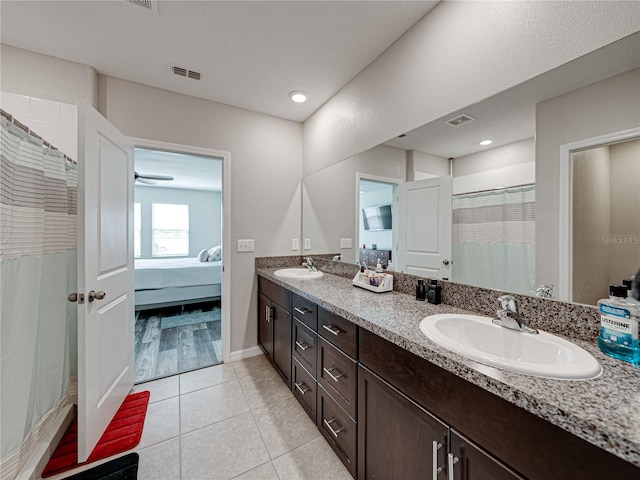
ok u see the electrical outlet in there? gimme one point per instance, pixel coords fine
(345, 243)
(246, 245)
(307, 244)
(295, 244)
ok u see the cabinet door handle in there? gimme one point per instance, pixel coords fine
(300, 389)
(452, 460)
(328, 425)
(302, 346)
(436, 470)
(267, 313)
(302, 311)
(329, 371)
(330, 328)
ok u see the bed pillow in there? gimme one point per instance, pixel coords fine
(215, 254)
(203, 256)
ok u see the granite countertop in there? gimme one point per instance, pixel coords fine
(604, 411)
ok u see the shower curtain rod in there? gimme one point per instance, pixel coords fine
(496, 189)
(27, 130)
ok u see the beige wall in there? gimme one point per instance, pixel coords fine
(266, 155)
(458, 54)
(591, 207)
(625, 210)
(608, 106)
(49, 78)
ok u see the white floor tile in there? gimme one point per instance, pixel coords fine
(210, 405)
(161, 423)
(160, 389)
(314, 460)
(223, 450)
(206, 377)
(264, 472)
(160, 461)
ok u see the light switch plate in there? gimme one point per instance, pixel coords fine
(246, 245)
(307, 244)
(295, 244)
(345, 243)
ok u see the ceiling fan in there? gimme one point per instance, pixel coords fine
(147, 178)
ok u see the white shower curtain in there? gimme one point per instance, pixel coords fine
(38, 212)
(494, 239)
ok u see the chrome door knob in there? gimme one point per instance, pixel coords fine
(445, 262)
(76, 297)
(93, 295)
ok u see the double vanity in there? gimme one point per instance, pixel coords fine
(395, 401)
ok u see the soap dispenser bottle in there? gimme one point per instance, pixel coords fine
(421, 291)
(619, 326)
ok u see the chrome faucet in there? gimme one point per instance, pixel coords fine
(509, 317)
(308, 262)
(545, 291)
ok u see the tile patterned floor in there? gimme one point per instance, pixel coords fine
(230, 421)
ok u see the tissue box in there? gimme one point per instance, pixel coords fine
(375, 282)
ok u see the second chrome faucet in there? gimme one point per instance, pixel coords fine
(509, 316)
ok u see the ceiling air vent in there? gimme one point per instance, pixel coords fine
(179, 71)
(460, 120)
(148, 4)
(183, 72)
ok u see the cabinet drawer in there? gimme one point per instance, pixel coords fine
(304, 389)
(306, 311)
(275, 292)
(338, 374)
(305, 346)
(339, 430)
(339, 331)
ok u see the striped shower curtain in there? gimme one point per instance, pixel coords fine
(494, 239)
(38, 212)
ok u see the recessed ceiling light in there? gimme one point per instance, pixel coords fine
(486, 142)
(298, 96)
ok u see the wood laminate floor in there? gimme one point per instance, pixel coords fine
(190, 340)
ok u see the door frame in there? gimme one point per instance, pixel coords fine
(226, 223)
(380, 179)
(565, 226)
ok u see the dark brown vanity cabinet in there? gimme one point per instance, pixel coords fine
(471, 463)
(274, 325)
(397, 439)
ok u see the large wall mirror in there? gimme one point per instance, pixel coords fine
(507, 223)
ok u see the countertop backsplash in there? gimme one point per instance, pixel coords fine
(570, 319)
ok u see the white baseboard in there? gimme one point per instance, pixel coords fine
(246, 353)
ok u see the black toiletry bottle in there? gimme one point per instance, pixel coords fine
(421, 291)
(434, 293)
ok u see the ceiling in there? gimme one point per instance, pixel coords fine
(510, 116)
(190, 172)
(250, 54)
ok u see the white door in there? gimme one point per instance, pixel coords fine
(106, 364)
(424, 228)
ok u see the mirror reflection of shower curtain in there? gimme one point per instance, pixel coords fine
(493, 239)
(38, 212)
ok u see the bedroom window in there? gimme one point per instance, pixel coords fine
(170, 230)
(137, 231)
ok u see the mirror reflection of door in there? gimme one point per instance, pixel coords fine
(375, 221)
(606, 218)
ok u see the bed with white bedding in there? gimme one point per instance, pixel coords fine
(161, 282)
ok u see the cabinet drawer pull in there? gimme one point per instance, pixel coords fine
(329, 371)
(302, 311)
(452, 460)
(330, 328)
(300, 388)
(302, 346)
(436, 470)
(328, 425)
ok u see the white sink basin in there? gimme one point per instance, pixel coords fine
(303, 273)
(542, 355)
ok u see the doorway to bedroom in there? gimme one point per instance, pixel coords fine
(178, 220)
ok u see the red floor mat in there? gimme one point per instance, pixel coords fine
(123, 433)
